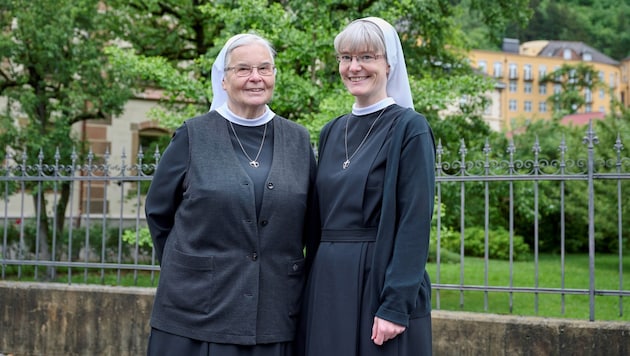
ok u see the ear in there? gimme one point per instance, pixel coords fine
(223, 84)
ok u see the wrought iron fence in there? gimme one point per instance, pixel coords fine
(101, 235)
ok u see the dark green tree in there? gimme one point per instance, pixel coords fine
(54, 74)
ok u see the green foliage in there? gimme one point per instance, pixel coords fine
(54, 74)
(601, 24)
(498, 244)
(538, 207)
(95, 236)
(574, 79)
(141, 237)
(308, 89)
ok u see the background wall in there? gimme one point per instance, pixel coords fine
(59, 319)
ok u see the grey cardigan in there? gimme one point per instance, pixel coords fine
(226, 275)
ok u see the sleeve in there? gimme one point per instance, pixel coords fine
(415, 193)
(312, 227)
(166, 190)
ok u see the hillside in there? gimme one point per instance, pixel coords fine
(602, 24)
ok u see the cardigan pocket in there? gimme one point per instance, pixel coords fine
(187, 281)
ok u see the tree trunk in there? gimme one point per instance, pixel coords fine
(43, 230)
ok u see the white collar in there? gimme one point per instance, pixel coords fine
(232, 117)
(372, 108)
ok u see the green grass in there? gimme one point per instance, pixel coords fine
(127, 278)
(549, 305)
(549, 276)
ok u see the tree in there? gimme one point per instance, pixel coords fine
(59, 71)
(600, 24)
(54, 74)
(308, 90)
(575, 81)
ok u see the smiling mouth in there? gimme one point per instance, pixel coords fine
(357, 79)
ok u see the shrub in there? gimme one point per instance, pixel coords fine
(498, 244)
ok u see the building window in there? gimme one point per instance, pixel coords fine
(528, 88)
(482, 67)
(542, 106)
(588, 95)
(542, 71)
(572, 77)
(601, 76)
(512, 105)
(602, 94)
(527, 72)
(487, 110)
(557, 88)
(588, 108)
(513, 86)
(557, 76)
(566, 54)
(542, 89)
(498, 70)
(613, 80)
(602, 110)
(513, 71)
(527, 106)
(586, 57)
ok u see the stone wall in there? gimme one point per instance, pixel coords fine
(59, 319)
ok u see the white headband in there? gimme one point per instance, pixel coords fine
(397, 81)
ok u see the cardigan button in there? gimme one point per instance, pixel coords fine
(270, 185)
(264, 223)
(254, 256)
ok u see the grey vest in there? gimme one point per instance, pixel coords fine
(227, 276)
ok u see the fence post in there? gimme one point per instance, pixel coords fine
(591, 140)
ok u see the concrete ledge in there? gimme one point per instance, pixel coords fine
(60, 319)
(461, 333)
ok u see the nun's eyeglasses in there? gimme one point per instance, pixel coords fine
(245, 71)
(361, 58)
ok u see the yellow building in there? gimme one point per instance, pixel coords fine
(518, 69)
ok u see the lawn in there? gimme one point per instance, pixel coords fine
(523, 303)
(549, 276)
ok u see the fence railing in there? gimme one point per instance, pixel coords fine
(83, 222)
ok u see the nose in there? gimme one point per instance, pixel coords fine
(354, 64)
(255, 76)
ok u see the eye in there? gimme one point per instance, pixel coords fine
(367, 58)
(265, 69)
(243, 70)
(344, 58)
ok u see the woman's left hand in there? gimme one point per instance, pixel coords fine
(383, 330)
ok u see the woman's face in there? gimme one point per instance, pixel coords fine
(248, 93)
(365, 75)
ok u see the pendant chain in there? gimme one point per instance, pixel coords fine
(252, 162)
(346, 163)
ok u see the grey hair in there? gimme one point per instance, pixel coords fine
(361, 36)
(248, 39)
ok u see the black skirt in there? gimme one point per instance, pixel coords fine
(337, 315)
(166, 344)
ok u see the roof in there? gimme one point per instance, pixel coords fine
(556, 49)
(582, 118)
